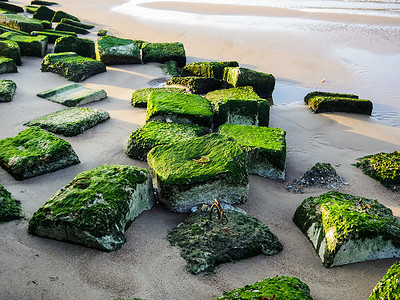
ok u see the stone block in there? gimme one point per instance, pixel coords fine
(44, 13)
(389, 286)
(53, 35)
(7, 65)
(214, 69)
(20, 22)
(197, 85)
(28, 45)
(139, 97)
(163, 52)
(82, 47)
(7, 90)
(59, 15)
(70, 28)
(112, 50)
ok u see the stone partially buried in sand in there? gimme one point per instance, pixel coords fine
(70, 28)
(73, 94)
(20, 22)
(112, 50)
(96, 208)
(28, 45)
(83, 47)
(279, 287)
(10, 208)
(59, 15)
(152, 134)
(44, 13)
(35, 152)
(53, 35)
(71, 121)
(7, 90)
(389, 286)
(199, 170)
(163, 52)
(7, 65)
(206, 243)
(265, 148)
(347, 229)
(10, 49)
(197, 85)
(139, 97)
(214, 69)
(72, 66)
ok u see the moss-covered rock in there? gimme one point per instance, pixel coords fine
(163, 52)
(139, 97)
(31, 9)
(179, 108)
(70, 28)
(170, 68)
(53, 35)
(199, 170)
(4, 29)
(20, 22)
(265, 148)
(96, 208)
(214, 69)
(384, 167)
(102, 32)
(10, 208)
(77, 24)
(28, 45)
(262, 83)
(59, 15)
(34, 152)
(83, 47)
(46, 24)
(71, 121)
(73, 95)
(11, 7)
(7, 65)
(113, 50)
(72, 66)
(156, 133)
(44, 13)
(346, 229)
(10, 49)
(7, 90)
(277, 288)
(40, 2)
(389, 286)
(327, 94)
(197, 85)
(206, 243)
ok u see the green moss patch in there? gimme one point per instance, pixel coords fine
(153, 134)
(163, 52)
(242, 92)
(206, 243)
(179, 108)
(20, 22)
(11, 7)
(389, 286)
(328, 94)
(77, 24)
(214, 69)
(112, 50)
(384, 167)
(277, 288)
(44, 13)
(197, 85)
(71, 121)
(96, 207)
(170, 68)
(346, 229)
(70, 28)
(34, 152)
(10, 209)
(31, 9)
(28, 45)
(82, 47)
(199, 170)
(4, 29)
(10, 49)
(53, 35)
(7, 65)
(102, 32)
(262, 83)
(7, 90)
(72, 66)
(59, 15)
(139, 97)
(265, 148)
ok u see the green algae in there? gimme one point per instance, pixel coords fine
(72, 66)
(214, 69)
(320, 104)
(7, 90)
(185, 108)
(77, 24)
(388, 287)
(59, 15)
(7, 65)
(4, 29)
(70, 28)
(343, 217)
(197, 85)
(10, 208)
(277, 288)
(44, 13)
(20, 22)
(31, 9)
(82, 47)
(241, 92)
(114, 50)
(328, 94)
(95, 208)
(384, 167)
(102, 32)
(170, 68)
(71, 121)
(153, 134)
(34, 152)
(28, 45)
(163, 52)
(206, 243)
(139, 97)
(53, 35)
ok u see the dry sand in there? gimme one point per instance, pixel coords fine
(147, 266)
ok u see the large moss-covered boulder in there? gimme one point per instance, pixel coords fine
(199, 170)
(70, 28)
(44, 13)
(320, 102)
(53, 35)
(10, 208)
(7, 65)
(346, 229)
(34, 152)
(11, 7)
(10, 49)
(83, 47)
(20, 22)
(77, 24)
(384, 167)
(28, 45)
(277, 288)
(197, 85)
(59, 15)
(214, 69)
(389, 286)
(157, 133)
(96, 208)
(72, 66)
(265, 148)
(179, 108)
(7, 90)
(262, 83)
(240, 105)
(113, 50)
(206, 242)
(163, 52)
(139, 97)
(71, 121)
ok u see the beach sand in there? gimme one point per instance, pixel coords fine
(147, 266)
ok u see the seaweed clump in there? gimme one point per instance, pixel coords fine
(389, 286)
(10, 208)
